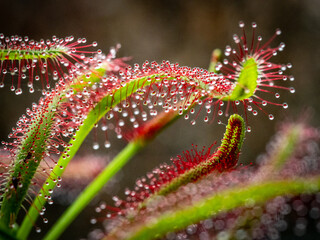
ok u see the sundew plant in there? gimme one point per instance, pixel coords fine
(203, 193)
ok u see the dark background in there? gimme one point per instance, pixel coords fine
(182, 31)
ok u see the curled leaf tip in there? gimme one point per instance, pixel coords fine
(232, 140)
(247, 81)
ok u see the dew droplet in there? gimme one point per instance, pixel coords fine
(18, 91)
(45, 220)
(285, 105)
(95, 146)
(277, 95)
(193, 122)
(107, 144)
(121, 123)
(271, 117)
(241, 24)
(264, 103)
(93, 221)
(236, 38)
(248, 129)
(292, 90)
(255, 112)
(135, 124)
(38, 230)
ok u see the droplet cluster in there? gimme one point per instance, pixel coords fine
(146, 91)
(25, 60)
(269, 73)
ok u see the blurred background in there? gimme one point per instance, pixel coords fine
(182, 31)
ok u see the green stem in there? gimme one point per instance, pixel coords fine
(91, 191)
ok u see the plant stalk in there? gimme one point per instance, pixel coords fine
(91, 191)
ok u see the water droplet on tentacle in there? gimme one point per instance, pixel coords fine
(95, 146)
